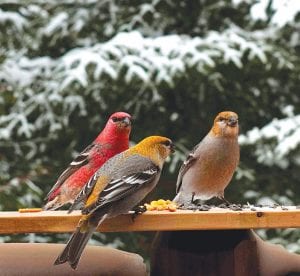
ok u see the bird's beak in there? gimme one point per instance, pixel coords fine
(126, 121)
(172, 148)
(232, 121)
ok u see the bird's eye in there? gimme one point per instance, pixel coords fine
(222, 119)
(167, 143)
(115, 119)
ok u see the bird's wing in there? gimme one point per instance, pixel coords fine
(89, 187)
(121, 187)
(189, 161)
(84, 193)
(80, 160)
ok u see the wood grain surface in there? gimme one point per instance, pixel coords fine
(60, 221)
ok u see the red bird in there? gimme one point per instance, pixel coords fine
(209, 168)
(113, 139)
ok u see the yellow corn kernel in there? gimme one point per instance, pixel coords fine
(172, 207)
(149, 207)
(160, 208)
(30, 210)
(161, 202)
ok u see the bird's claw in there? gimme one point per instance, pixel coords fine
(137, 211)
(192, 199)
(225, 200)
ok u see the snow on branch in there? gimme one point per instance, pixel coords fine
(54, 88)
(285, 132)
(159, 59)
(13, 18)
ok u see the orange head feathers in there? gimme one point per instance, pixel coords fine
(158, 148)
(225, 125)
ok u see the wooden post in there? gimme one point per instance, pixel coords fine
(216, 253)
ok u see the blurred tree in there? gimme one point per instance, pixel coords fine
(66, 65)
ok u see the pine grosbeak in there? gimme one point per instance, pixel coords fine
(209, 167)
(113, 139)
(119, 185)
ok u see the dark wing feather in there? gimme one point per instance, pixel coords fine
(81, 160)
(122, 187)
(84, 193)
(189, 161)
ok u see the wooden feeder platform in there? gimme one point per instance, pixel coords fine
(214, 219)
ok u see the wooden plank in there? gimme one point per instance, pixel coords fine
(60, 221)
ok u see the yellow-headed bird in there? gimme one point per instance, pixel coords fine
(119, 185)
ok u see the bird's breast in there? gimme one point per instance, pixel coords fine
(213, 169)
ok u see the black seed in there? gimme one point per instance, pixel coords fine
(223, 205)
(203, 208)
(236, 208)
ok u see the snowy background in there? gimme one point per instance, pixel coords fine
(66, 65)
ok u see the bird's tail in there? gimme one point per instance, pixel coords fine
(76, 244)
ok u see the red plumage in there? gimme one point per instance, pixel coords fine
(113, 139)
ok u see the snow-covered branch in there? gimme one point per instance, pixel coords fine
(285, 134)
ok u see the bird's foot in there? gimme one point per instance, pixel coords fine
(195, 204)
(192, 199)
(195, 201)
(225, 200)
(137, 211)
(182, 206)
